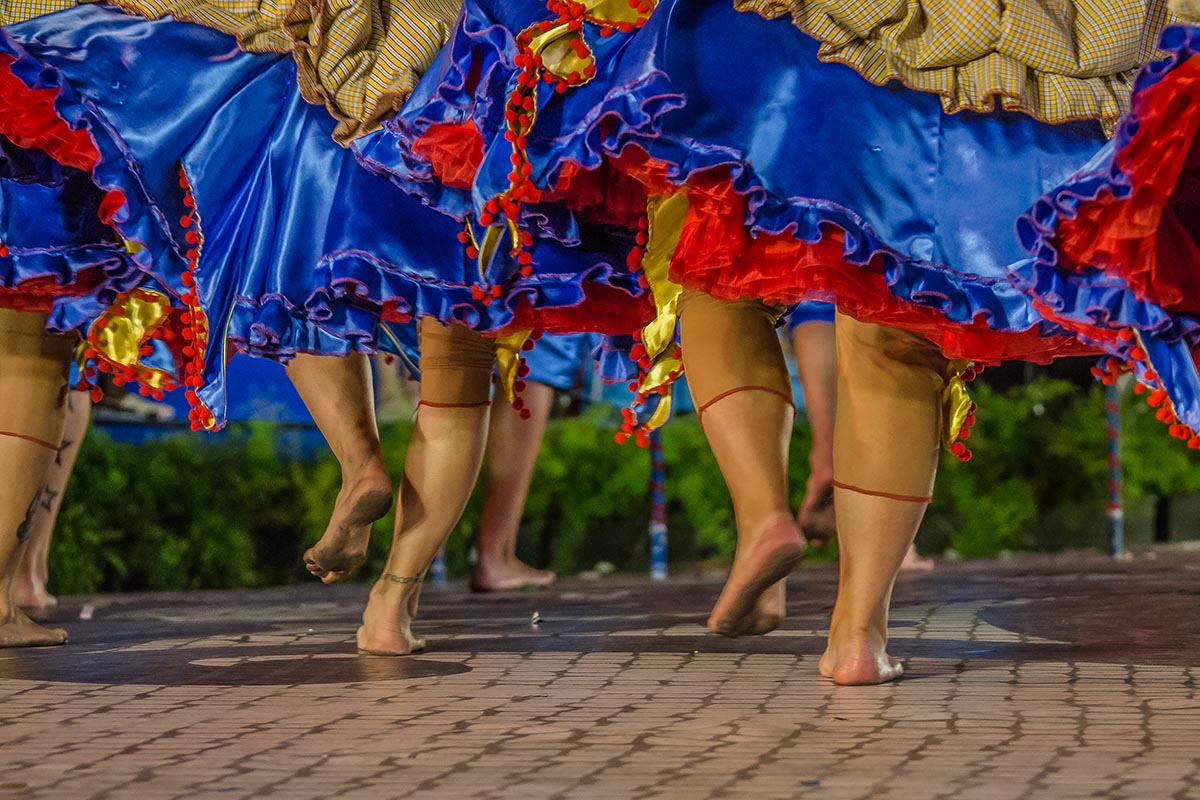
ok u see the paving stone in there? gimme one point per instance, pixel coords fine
(1025, 682)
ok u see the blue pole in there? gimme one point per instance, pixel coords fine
(437, 570)
(1115, 512)
(658, 509)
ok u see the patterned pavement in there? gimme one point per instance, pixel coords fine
(1062, 677)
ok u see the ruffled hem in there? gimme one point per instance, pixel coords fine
(798, 251)
(1073, 73)
(1135, 212)
(1116, 246)
(167, 349)
(740, 240)
(593, 298)
(37, 277)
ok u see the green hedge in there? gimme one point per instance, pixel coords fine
(186, 511)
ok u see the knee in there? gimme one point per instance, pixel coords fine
(456, 365)
(729, 345)
(879, 356)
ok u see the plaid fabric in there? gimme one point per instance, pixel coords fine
(1057, 60)
(360, 58)
(14, 11)
(1187, 10)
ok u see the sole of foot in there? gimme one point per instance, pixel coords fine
(769, 611)
(343, 547)
(20, 631)
(859, 663)
(770, 559)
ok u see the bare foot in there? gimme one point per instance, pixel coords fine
(770, 610)
(757, 566)
(914, 562)
(31, 593)
(387, 619)
(18, 630)
(860, 660)
(508, 575)
(816, 518)
(343, 547)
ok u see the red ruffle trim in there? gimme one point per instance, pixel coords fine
(605, 309)
(717, 255)
(454, 152)
(1153, 235)
(28, 118)
(38, 294)
(610, 196)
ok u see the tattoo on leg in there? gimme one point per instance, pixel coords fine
(24, 529)
(48, 496)
(62, 449)
(404, 579)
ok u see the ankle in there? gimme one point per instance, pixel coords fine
(489, 558)
(872, 631)
(393, 584)
(775, 523)
(359, 466)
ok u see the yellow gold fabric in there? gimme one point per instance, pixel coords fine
(508, 360)
(14, 11)
(1056, 60)
(666, 216)
(131, 321)
(359, 58)
(956, 402)
(1187, 10)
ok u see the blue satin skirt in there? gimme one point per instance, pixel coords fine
(923, 203)
(233, 200)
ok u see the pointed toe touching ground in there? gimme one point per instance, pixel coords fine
(766, 561)
(343, 547)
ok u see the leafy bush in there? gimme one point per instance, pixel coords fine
(190, 511)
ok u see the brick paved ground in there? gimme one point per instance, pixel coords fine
(1041, 678)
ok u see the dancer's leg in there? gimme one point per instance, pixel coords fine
(739, 380)
(886, 451)
(33, 383)
(512, 449)
(34, 570)
(816, 366)
(338, 394)
(440, 470)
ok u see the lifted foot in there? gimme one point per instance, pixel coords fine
(343, 547)
(768, 559)
(817, 519)
(770, 610)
